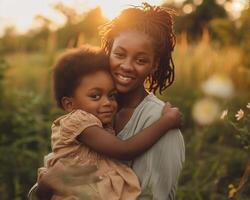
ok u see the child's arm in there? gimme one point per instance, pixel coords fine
(99, 140)
(53, 181)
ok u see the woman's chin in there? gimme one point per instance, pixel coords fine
(122, 89)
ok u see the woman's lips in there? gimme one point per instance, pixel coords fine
(123, 79)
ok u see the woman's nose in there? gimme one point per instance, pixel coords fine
(126, 65)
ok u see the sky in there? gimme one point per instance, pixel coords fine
(20, 13)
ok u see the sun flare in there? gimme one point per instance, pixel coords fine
(110, 9)
(21, 16)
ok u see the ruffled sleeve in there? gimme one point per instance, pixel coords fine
(74, 124)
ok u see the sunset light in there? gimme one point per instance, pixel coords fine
(21, 15)
(111, 8)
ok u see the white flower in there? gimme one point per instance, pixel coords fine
(224, 114)
(248, 105)
(205, 111)
(218, 86)
(239, 114)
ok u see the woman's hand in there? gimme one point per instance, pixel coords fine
(62, 179)
(172, 115)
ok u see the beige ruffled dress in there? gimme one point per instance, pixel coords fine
(119, 181)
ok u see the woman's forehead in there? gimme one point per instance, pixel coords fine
(133, 39)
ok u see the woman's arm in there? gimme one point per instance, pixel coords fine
(99, 140)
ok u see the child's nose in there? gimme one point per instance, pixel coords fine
(106, 101)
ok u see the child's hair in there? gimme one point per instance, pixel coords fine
(155, 21)
(72, 66)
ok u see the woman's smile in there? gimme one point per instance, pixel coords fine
(123, 79)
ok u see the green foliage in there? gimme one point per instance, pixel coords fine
(25, 120)
(24, 131)
(87, 28)
(244, 30)
(215, 158)
(240, 121)
(3, 68)
(224, 31)
(78, 29)
(228, 32)
(195, 22)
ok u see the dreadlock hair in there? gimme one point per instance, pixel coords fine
(72, 66)
(156, 22)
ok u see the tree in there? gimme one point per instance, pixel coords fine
(195, 22)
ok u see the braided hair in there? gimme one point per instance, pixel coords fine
(156, 22)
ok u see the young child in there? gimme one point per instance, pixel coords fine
(84, 88)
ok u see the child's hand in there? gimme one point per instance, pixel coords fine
(172, 115)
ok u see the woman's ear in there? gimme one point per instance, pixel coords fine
(155, 67)
(67, 103)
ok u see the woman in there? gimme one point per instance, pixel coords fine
(140, 42)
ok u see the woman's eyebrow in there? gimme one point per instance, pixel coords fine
(144, 53)
(120, 48)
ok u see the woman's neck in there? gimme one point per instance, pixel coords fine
(131, 99)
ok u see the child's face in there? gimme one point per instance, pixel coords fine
(132, 60)
(96, 95)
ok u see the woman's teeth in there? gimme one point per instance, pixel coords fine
(124, 78)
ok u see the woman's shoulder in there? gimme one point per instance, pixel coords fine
(152, 103)
(149, 109)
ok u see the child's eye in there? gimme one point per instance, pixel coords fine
(95, 96)
(113, 95)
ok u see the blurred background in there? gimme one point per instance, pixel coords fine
(212, 87)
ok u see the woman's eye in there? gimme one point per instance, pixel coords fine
(119, 55)
(141, 61)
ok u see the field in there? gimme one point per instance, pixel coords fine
(217, 151)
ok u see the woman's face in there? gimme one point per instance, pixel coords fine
(131, 60)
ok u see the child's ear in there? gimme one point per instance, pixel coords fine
(67, 103)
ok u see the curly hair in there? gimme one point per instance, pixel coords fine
(72, 66)
(156, 22)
